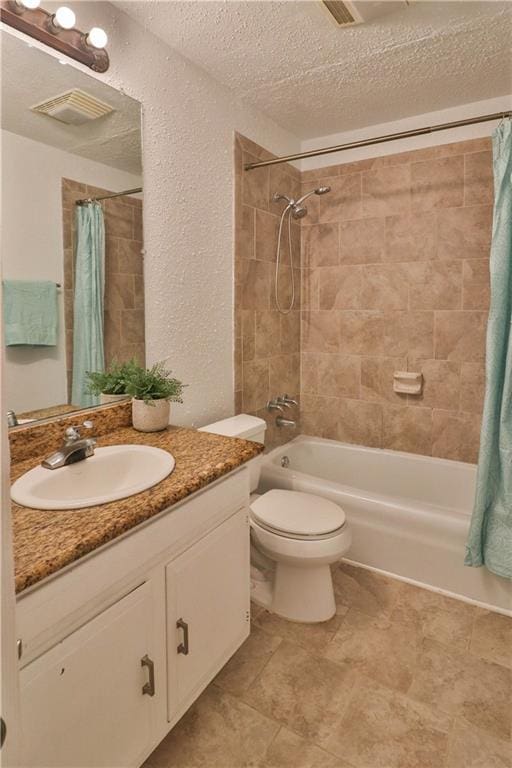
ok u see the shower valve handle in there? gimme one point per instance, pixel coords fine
(274, 405)
(286, 401)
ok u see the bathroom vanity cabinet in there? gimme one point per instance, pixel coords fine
(116, 648)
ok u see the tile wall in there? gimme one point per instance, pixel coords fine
(124, 283)
(267, 344)
(395, 271)
(394, 276)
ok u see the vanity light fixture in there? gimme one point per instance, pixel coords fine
(63, 18)
(96, 38)
(58, 31)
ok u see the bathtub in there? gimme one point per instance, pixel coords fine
(409, 514)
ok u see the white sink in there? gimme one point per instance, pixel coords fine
(112, 473)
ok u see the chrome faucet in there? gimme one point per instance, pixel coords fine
(286, 401)
(74, 448)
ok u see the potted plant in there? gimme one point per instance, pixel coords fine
(152, 391)
(110, 384)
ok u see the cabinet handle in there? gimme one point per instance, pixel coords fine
(183, 647)
(148, 687)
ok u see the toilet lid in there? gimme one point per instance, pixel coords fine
(294, 512)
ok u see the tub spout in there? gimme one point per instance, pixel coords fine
(281, 422)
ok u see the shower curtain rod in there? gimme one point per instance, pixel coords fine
(108, 197)
(380, 139)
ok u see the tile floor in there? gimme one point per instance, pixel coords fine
(399, 678)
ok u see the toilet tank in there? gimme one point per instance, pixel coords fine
(248, 428)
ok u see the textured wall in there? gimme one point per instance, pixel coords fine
(188, 125)
(395, 277)
(267, 344)
(124, 282)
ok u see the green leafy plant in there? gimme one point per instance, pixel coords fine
(154, 383)
(113, 380)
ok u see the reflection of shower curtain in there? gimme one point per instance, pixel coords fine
(490, 535)
(88, 301)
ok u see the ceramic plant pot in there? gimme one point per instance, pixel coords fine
(152, 417)
(106, 399)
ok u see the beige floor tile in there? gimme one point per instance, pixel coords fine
(218, 731)
(385, 651)
(290, 751)
(242, 668)
(312, 637)
(304, 692)
(369, 592)
(438, 617)
(385, 729)
(492, 638)
(461, 684)
(470, 747)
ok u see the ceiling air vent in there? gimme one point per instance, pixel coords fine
(73, 107)
(352, 12)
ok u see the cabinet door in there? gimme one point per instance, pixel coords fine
(83, 702)
(207, 608)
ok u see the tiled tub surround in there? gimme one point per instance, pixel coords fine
(267, 344)
(46, 541)
(395, 277)
(124, 281)
(400, 678)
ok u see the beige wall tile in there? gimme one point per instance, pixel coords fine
(244, 234)
(460, 336)
(377, 379)
(290, 333)
(441, 383)
(310, 364)
(384, 287)
(255, 384)
(320, 331)
(319, 245)
(284, 373)
(248, 334)
(464, 233)
(309, 288)
(476, 289)
(362, 241)
(407, 429)
(267, 333)
(360, 422)
(456, 435)
(319, 416)
(408, 333)
(472, 387)
(410, 237)
(338, 375)
(386, 191)
(255, 184)
(435, 285)
(462, 147)
(438, 183)
(471, 747)
(361, 332)
(266, 230)
(343, 202)
(256, 284)
(339, 287)
(478, 178)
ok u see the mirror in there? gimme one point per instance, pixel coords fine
(73, 292)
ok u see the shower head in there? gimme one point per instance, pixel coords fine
(317, 191)
(322, 190)
(299, 211)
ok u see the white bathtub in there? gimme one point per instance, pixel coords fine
(409, 514)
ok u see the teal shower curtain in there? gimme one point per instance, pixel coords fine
(88, 354)
(490, 535)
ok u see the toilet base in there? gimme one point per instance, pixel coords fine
(304, 595)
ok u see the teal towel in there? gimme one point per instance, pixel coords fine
(30, 312)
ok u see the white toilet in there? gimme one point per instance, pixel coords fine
(295, 537)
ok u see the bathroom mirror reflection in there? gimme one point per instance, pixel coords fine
(72, 246)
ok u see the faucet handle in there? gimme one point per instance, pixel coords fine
(287, 401)
(73, 433)
(275, 405)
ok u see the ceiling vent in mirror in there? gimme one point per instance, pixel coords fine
(352, 12)
(73, 107)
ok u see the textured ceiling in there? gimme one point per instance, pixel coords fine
(289, 61)
(30, 76)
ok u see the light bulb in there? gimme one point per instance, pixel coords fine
(97, 38)
(30, 4)
(64, 18)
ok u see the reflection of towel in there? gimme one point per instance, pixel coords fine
(30, 312)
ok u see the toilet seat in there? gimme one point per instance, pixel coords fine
(297, 515)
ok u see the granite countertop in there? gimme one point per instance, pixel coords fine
(45, 541)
